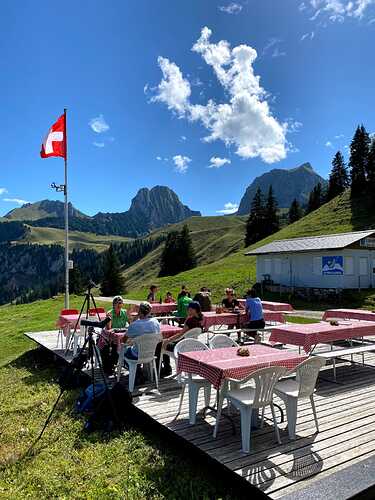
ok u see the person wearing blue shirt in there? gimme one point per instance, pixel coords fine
(254, 310)
(143, 326)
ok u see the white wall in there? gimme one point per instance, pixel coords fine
(305, 270)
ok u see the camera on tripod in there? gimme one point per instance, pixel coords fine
(95, 324)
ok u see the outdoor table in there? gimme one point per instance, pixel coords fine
(219, 365)
(272, 306)
(359, 314)
(309, 335)
(237, 319)
(157, 308)
(67, 322)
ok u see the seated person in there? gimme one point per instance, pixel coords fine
(106, 342)
(182, 305)
(193, 320)
(151, 297)
(229, 302)
(183, 289)
(254, 310)
(169, 298)
(144, 325)
(204, 299)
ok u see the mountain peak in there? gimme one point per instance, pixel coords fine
(41, 210)
(287, 184)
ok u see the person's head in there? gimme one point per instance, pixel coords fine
(252, 293)
(194, 309)
(183, 293)
(229, 292)
(169, 294)
(117, 303)
(153, 288)
(144, 310)
(204, 289)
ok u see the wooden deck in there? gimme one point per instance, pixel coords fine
(346, 413)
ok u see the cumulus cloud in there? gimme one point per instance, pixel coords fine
(3, 190)
(181, 163)
(16, 200)
(216, 162)
(245, 119)
(99, 144)
(232, 8)
(98, 124)
(328, 144)
(229, 208)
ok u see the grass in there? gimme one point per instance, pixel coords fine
(66, 463)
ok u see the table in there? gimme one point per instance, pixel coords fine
(232, 319)
(359, 314)
(272, 306)
(307, 336)
(219, 364)
(167, 331)
(156, 308)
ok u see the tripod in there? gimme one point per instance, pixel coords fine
(85, 306)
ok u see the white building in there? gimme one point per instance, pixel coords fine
(345, 260)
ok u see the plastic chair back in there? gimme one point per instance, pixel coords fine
(193, 333)
(146, 345)
(68, 312)
(306, 375)
(220, 340)
(265, 380)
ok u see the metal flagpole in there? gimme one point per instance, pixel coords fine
(66, 216)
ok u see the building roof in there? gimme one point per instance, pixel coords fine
(312, 243)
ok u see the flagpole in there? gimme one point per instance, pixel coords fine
(66, 207)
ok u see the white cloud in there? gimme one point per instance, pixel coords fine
(216, 162)
(339, 136)
(328, 144)
(232, 8)
(159, 158)
(183, 138)
(16, 200)
(339, 10)
(229, 208)
(98, 124)
(272, 46)
(181, 163)
(294, 126)
(99, 144)
(302, 7)
(309, 35)
(245, 120)
(3, 191)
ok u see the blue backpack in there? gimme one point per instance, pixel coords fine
(85, 401)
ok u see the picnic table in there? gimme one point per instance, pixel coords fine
(309, 335)
(237, 319)
(67, 322)
(272, 306)
(157, 308)
(358, 314)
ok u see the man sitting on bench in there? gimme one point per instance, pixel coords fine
(254, 311)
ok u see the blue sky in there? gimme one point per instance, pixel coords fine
(246, 86)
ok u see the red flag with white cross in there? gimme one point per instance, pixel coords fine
(55, 142)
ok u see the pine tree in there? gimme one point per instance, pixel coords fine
(256, 221)
(76, 285)
(338, 179)
(316, 198)
(272, 221)
(187, 250)
(371, 169)
(169, 261)
(359, 150)
(295, 211)
(178, 254)
(113, 281)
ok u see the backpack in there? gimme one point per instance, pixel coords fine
(85, 402)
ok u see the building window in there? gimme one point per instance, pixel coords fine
(349, 265)
(317, 266)
(363, 266)
(277, 264)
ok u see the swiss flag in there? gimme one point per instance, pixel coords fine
(55, 142)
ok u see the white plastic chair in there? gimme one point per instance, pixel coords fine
(195, 382)
(190, 334)
(245, 399)
(303, 386)
(219, 341)
(146, 345)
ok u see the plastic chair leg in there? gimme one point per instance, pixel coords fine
(207, 394)
(193, 402)
(246, 428)
(218, 412)
(262, 419)
(156, 374)
(275, 423)
(291, 412)
(314, 412)
(160, 361)
(132, 372)
(181, 398)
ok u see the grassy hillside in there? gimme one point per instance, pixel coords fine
(78, 240)
(68, 463)
(339, 215)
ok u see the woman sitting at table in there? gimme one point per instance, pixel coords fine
(254, 310)
(106, 344)
(151, 297)
(193, 320)
(169, 298)
(230, 302)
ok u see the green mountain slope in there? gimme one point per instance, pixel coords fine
(235, 269)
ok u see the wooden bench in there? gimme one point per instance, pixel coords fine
(338, 353)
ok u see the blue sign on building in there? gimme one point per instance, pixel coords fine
(333, 265)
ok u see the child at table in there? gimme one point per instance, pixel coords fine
(169, 298)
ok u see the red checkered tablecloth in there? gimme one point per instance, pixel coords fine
(218, 364)
(236, 320)
(309, 335)
(272, 306)
(349, 314)
(167, 331)
(68, 321)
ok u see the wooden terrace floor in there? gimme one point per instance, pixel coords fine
(346, 413)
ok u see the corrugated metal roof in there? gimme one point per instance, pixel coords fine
(311, 243)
